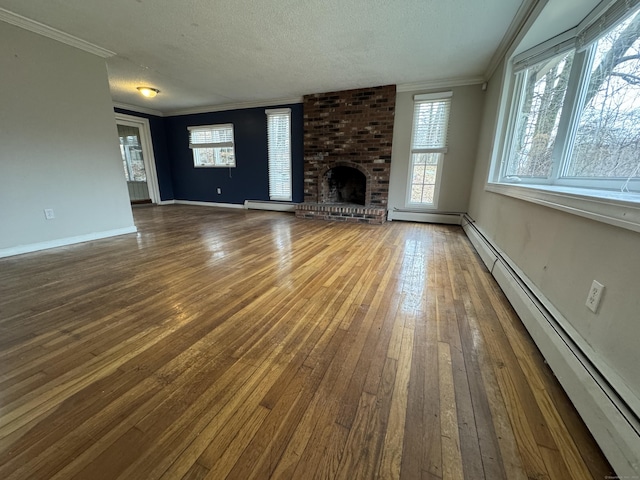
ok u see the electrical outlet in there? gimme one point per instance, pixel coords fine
(595, 295)
(219, 191)
(48, 214)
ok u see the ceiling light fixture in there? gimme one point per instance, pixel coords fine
(148, 91)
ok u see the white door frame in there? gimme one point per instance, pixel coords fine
(147, 151)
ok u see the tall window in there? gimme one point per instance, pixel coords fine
(212, 145)
(279, 151)
(428, 146)
(575, 118)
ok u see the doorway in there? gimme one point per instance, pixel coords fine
(138, 161)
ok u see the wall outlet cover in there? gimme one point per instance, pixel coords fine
(595, 295)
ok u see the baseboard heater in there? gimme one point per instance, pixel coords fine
(411, 215)
(608, 408)
(270, 205)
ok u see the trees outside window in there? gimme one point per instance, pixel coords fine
(428, 146)
(607, 139)
(544, 87)
(212, 145)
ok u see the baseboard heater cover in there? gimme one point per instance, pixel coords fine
(205, 204)
(270, 205)
(407, 215)
(608, 407)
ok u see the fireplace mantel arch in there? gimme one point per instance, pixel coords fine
(325, 195)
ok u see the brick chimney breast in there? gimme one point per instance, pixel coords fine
(351, 128)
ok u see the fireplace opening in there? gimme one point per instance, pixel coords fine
(345, 185)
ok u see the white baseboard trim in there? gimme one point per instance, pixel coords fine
(62, 242)
(449, 219)
(270, 205)
(608, 408)
(208, 204)
(166, 202)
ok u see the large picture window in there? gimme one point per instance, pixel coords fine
(428, 146)
(212, 145)
(607, 137)
(575, 111)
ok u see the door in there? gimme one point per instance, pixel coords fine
(137, 159)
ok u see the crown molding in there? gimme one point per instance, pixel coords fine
(525, 16)
(50, 32)
(138, 109)
(443, 83)
(234, 106)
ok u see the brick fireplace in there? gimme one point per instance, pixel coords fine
(347, 154)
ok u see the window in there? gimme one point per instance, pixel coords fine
(575, 111)
(131, 151)
(212, 145)
(279, 151)
(607, 138)
(428, 146)
(541, 91)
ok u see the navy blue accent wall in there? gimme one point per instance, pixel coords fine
(160, 152)
(249, 180)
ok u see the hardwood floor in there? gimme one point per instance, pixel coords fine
(237, 344)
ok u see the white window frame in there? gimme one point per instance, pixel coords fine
(440, 150)
(279, 189)
(591, 198)
(213, 146)
(147, 151)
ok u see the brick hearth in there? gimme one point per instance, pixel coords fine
(342, 213)
(352, 128)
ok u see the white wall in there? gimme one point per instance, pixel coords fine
(58, 146)
(560, 254)
(457, 172)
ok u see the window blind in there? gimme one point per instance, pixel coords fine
(128, 131)
(597, 23)
(211, 136)
(545, 51)
(279, 152)
(601, 21)
(431, 118)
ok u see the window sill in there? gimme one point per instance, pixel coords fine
(420, 208)
(214, 166)
(613, 208)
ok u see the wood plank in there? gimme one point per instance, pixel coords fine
(391, 460)
(196, 472)
(467, 432)
(451, 454)
(432, 445)
(500, 418)
(376, 335)
(368, 463)
(325, 372)
(472, 351)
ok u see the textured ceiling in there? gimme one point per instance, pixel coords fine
(558, 16)
(207, 53)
